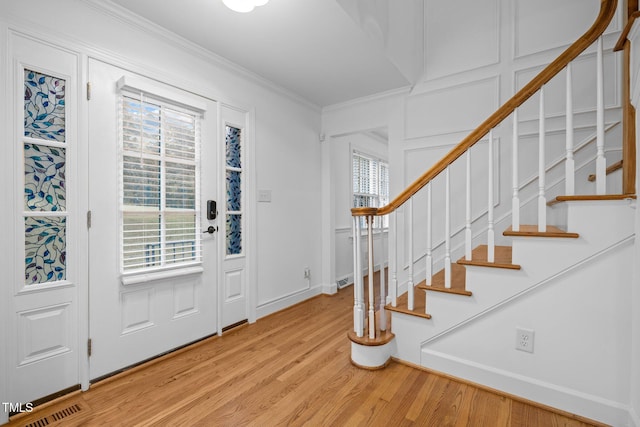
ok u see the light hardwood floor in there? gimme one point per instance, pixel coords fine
(290, 368)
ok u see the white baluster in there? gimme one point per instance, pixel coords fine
(372, 314)
(601, 162)
(410, 300)
(542, 200)
(467, 228)
(515, 200)
(491, 243)
(429, 257)
(447, 231)
(358, 288)
(394, 260)
(570, 166)
(383, 283)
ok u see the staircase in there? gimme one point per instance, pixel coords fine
(480, 292)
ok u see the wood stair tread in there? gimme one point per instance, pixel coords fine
(590, 197)
(502, 258)
(458, 281)
(532, 231)
(402, 304)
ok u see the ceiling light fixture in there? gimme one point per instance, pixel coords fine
(243, 6)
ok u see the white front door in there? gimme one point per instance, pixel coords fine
(153, 266)
(43, 244)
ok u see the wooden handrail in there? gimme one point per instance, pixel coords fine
(607, 11)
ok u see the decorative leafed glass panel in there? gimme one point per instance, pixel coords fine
(45, 185)
(233, 190)
(44, 178)
(234, 234)
(44, 106)
(45, 249)
(233, 146)
(160, 173)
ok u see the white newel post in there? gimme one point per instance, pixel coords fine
(372, 317)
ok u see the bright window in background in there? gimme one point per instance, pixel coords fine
(370, 178)
(160, 173)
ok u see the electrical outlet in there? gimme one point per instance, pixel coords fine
(524, 340)
(307, 272)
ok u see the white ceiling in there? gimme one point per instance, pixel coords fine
(310, 47)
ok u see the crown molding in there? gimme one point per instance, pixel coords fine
(115, 11)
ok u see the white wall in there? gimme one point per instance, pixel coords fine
(284, 237)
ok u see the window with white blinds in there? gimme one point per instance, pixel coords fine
(160, 173)
(370, 182)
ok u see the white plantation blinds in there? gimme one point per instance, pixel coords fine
(370, 181)
(160, 172)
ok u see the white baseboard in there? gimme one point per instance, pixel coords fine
(565, 399)
(330, 288)
(285, 301)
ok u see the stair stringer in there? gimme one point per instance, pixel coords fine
(540, 258)
(581, 359)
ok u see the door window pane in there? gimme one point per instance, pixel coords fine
(44, 106)
(45, 249)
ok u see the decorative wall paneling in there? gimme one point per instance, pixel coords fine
(584, 79)
(448, 49)
(530, 37)
(446, 110)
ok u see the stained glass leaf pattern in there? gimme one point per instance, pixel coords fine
(233, 191)
(44, 178)
(234, 234)
(44, 106)
(233, 147)
(45, 249)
